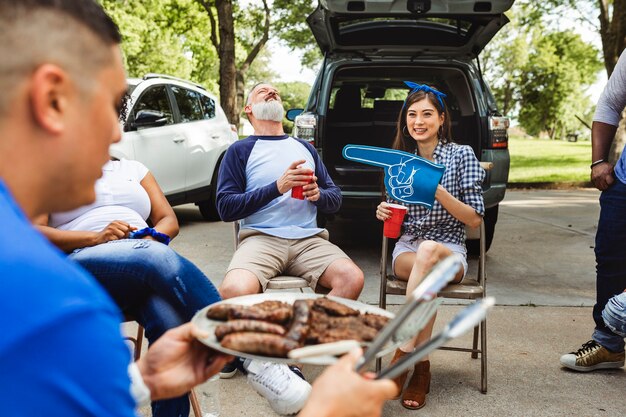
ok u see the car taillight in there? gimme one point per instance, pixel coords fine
(304, 127)
(498, 132)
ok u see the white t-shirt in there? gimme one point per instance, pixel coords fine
(119, 196)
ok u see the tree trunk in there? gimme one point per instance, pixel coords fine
(227, 59)
(245, 66)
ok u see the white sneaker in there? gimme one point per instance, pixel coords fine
(284, 390)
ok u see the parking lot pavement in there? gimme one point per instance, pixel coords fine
(541, 270)
(542, 253)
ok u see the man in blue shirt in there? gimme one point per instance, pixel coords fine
(62, 80)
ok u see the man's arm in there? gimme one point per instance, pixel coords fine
(178, 362)
(602, 135)
(605, 122)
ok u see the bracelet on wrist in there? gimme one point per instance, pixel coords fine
(598, 162)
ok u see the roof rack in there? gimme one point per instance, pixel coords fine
(170, 77)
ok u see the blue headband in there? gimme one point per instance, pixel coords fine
(423, 87)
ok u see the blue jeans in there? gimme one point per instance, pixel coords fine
(614, 314)
(610, 260)
(153, 284)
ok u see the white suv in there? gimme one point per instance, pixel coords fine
(180, 132)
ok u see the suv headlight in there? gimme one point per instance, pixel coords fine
(304, 127)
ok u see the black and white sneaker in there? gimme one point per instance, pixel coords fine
(230, 369)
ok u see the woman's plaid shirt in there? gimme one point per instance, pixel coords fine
(463, 179)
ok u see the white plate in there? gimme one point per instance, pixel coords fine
(204, 323)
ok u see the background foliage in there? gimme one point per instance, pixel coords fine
(538, 68)
(539, 76)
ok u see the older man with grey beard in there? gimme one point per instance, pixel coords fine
(279, 233)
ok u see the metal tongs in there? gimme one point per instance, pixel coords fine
(434, 282)
(464, 321)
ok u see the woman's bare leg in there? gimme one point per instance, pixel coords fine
(428, 254)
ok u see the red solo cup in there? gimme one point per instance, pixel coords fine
(394, 223)
(298, 192)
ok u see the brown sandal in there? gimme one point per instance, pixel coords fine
(419, 386)
(400, 379)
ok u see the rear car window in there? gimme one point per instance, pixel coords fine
(189, 104)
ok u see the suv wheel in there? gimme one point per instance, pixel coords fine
(208, 208)
(491, 217)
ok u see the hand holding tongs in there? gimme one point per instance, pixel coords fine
(464, 321)
(438, 278)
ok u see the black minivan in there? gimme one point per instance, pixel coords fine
(370, 48)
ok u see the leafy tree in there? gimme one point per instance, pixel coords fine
(239, 32)
(289, 24)
(610, 24)
(165, 36)
(504, 59)
(552, 82)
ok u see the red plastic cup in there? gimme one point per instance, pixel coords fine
(394, 223)
(298, 192)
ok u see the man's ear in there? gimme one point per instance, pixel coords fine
(49, 97)
(247, 109)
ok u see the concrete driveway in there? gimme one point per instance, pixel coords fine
(541, 271)
(542, 253)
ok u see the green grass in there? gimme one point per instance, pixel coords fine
(539, 160)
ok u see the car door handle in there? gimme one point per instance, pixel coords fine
(178, 139)
(215, 136)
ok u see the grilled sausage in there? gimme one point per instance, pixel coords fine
(374, 320)
(334, 308)
(259, 343)
(278, 315)
(271, 305)
(220, 312)
(235, 326)
(300, 322)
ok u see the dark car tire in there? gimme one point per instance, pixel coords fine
(208, 208)
(491, 218)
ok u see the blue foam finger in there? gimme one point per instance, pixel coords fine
(408, 178)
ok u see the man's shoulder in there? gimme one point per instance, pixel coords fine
(242, 147)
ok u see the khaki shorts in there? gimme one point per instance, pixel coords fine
(269, 256)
